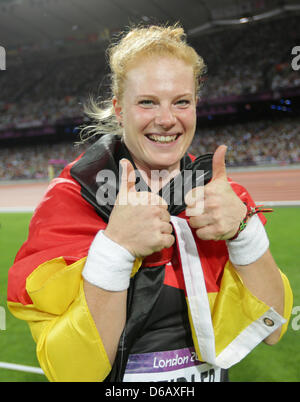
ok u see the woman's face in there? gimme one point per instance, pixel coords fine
(158, 112)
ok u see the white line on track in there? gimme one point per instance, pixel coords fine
(279, 203)
(16, 209)
(20, 367)
(295, 203)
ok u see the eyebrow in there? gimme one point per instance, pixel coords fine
(155, 96)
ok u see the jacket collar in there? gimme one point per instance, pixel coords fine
(106, 153)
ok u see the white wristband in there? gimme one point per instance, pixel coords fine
(108, 265)
(250, 244)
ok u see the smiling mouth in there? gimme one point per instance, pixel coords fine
(163, 139)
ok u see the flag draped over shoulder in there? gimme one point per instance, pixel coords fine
(45, 285)
(63, 225)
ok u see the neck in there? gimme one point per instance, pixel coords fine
(157, 178)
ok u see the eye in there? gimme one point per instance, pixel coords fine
(183, 103)
(146, 102)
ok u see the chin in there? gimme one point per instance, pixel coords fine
(163, 163)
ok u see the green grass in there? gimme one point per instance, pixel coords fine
(280, 362)
(266, 363)
(16, 344)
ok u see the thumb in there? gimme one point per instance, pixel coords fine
(218, 163)
(127, 180)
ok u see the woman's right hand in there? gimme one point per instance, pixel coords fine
(140, 221)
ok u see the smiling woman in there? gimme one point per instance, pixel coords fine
(158, 112)
(109, 289)
(137, 45)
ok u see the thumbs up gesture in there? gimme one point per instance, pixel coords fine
(223, 210)
(140, 221)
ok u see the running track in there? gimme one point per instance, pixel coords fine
(268, 185)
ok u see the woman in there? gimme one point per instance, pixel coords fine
(148, 289)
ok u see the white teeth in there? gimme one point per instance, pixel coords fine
(163, 138)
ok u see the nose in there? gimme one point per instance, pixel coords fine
(165, 118)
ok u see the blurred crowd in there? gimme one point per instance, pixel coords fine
(32, 162)
(251, 58)
(256, 143)
(240, 60)
(246, 59)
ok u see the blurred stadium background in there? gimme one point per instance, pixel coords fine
(55, 58)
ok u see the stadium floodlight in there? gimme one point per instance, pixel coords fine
(244, 20)
(268, 14)
(291, 7)
(200, 28)
(227, 22)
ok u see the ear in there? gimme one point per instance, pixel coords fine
(118, 109)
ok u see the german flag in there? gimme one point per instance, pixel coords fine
(45, 285)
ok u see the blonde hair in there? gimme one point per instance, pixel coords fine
(138, 42)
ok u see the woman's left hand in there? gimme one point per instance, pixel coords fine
(222, 211)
